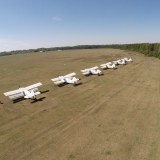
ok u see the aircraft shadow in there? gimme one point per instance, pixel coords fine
(18, 100)
(61, 85)
(44, 91)
(64, 84)
(38, 100)
(80, 83)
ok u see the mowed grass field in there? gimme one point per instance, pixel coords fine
(111, 117)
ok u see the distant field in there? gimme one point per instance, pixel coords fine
(110, 117)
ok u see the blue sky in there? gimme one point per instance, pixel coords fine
(28, 24)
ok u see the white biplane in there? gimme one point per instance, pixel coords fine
(119, 62)
(67, 79)
(29, 92)
(90, 71)
(128, 59)
(108, 65)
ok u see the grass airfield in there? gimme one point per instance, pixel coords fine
(114, 117)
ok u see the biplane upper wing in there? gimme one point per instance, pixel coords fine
(70, 75)
(96, 67)
(33, 87)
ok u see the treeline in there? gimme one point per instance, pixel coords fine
(54, 49)
(149, 49)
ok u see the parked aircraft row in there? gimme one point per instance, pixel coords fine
(32, 91)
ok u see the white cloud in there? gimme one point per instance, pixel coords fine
(57, 18)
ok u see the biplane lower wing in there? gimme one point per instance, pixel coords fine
(14, 94)
(103, 66)
(58, 82)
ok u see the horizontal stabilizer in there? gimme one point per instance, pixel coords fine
(37, 93)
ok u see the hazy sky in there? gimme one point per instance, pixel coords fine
(28, 24)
